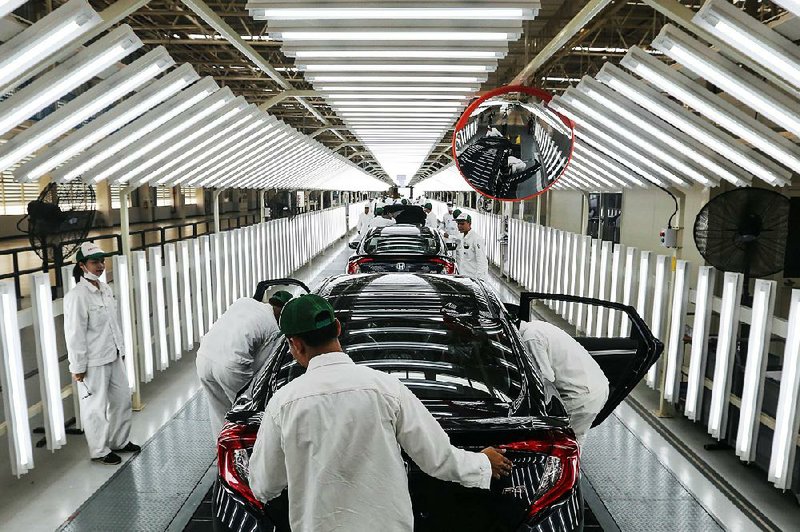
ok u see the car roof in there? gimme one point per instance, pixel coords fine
(402, 230)
(410, 294)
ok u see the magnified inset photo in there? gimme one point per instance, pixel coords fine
(510, 145)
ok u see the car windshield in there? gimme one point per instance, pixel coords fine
(439, 358)
(402, 240)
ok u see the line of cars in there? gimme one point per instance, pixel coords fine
(453, 342)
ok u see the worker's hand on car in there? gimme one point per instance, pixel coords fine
(501, 466)
(79, 376)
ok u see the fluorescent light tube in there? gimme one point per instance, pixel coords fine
(122, 291)
(750, 37)
(695, 387)
(657, 321)
(724, 356)
(726, 75)
(330, 78)
(755, 367)
(143, 313)
(408, 36)
(173, 299)
(12, 373)
(85, 106)
(42, 39)
(47, 361)
(391, 13)
(399, 53)
(107, 123)
(78, 69)
(137, 129)
(160, 136)
(711, 105)
(694, 126)
(787, 420)
(675, 347)
(608, 101)
(339, 68)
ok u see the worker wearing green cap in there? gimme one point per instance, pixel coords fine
(382, 218)
(333, 436)
(451, 233)
(430, 218)
(471, 253)
(278, 300)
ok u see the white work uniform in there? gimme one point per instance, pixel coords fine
(431, 221)
(471, 256)
(380, 221)
(447, 219)
(363, 222)
(232, 351)
(334, 436)
(568, 365)
(94, 346)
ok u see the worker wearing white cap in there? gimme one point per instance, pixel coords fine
(568, 365)
(448, 220)
(233, 350)
(382, 218)
(363, 220)
(430, 218)
(95, 348)
(471, 252)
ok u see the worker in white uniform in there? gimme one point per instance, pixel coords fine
(363, 220)
(430, 217)
(568, 365)
(471, 253)
(334, 436)
(448, 220)
(382, 218)
(95, 348)
(231, 352)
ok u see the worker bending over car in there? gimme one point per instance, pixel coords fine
(232, 351)
(334, 436)
(382, 218)
(575, 374)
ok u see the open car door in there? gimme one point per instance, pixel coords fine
(262, 286)
(624, 360)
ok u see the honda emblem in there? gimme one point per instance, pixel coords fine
(401, 266)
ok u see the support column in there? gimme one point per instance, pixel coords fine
(262, 205)
(216, 209)
(125, 235)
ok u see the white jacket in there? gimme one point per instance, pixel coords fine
(471, 256)
(91, 326)
(333, 436)
(380, 221)
(363, 222)
(564, 362)
(431, 221)
(239, 337)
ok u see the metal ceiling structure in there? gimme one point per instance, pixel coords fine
(271, 64)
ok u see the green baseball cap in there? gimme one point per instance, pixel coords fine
(306, 313)
(456, 213)
(429, 206)
(280, 298)
(464, 217)
(379, 210)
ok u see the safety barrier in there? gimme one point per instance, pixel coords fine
(545, 259)
(167, 300)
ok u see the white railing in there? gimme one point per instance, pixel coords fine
(167, 302)
(544, 259)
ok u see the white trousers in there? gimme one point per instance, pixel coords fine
(106, 413)
(221, 383)
(582, 414)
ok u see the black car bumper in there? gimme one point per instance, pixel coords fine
(232, 513)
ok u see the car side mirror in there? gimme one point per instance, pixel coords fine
(354, 244)
(451, 246)
(513, 311)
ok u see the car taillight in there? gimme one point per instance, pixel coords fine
(234, 445)
(354, 266)
(449, 265)
(561, 467)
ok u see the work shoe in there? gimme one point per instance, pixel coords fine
(129, 448)
(109, 459)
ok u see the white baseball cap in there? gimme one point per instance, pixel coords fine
(90, 250)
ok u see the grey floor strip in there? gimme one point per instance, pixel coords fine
(149, 491)
(601, 513)
(195, 498)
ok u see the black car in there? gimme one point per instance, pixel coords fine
(401, 248)
(457, 347)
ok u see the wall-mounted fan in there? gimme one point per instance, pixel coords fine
(744, 230)
(59, 220)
